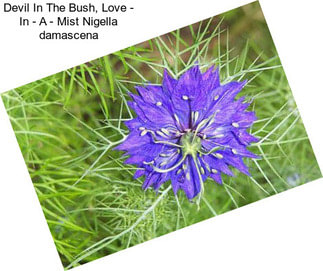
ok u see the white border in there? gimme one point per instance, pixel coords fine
(283, 232)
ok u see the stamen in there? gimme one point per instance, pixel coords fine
(184, 97)
(165, 131)
(160, 170)
(142, 128)
(211, 151)
(188, 176)
(161, 134)
(179, 171)
(214, 171)
(235, 124)
(163, 163)
(177, 119)
(234, 151)
(219, 155)
(200, 125)
(172, 130)
(211, 121)
(204, 136)
(144, 132)
(202, 170)
(149, 163)
(163, 142)
(200, 179)
(218, 136)
(184, 166)
(163, 155)
(196, 115)
(216, 97)
(159, 103)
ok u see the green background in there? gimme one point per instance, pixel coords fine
(67, 125)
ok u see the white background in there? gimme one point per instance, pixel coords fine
(283, 232)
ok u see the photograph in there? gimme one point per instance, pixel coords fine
(161, 135)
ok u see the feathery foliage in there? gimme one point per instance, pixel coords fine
(67, 125)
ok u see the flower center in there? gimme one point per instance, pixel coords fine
(191, 144)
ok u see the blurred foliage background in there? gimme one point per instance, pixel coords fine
(67, 125)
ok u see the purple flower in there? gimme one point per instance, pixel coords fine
(187, 130)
